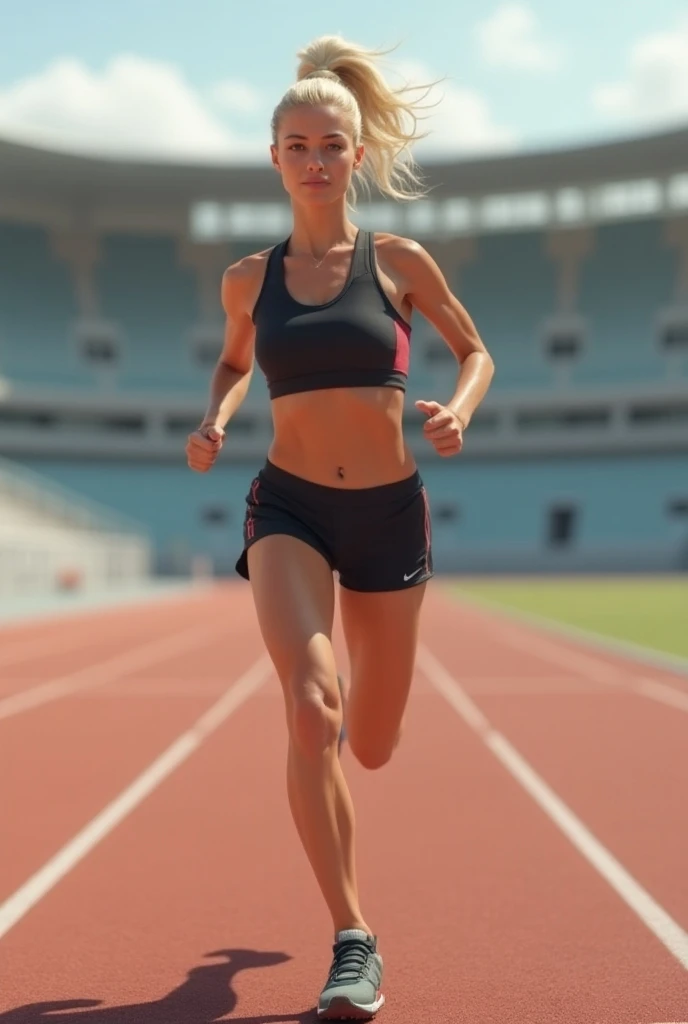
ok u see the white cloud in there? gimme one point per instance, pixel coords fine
(460, 123)
(146, 109)
(237, 97)
(655, 88)
(134, 107)
(511, 38)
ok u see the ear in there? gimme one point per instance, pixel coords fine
(358, 157)
(274, 157)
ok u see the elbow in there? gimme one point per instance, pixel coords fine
(490, 364)
(486, 361)
(237, 369)
(480, 357)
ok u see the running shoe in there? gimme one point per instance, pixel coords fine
(353, 987)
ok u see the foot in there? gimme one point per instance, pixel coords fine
(353, 988)
(342, 733)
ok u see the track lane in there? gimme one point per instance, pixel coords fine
(616, 758)
(33, 652)
(468, 884)
(484, 911)
(62, 761)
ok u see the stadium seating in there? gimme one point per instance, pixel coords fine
(52, 538)
(622, 321)
(187, 512)
(37, 311)
(154, 301)
(509, 289)
(490, 511)
(484, 513)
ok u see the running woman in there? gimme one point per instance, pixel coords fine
(326, 314)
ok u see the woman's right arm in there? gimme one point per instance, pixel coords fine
(234, 369)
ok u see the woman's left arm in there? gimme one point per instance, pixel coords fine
(428, 292)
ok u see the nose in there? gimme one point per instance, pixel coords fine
(315, 161)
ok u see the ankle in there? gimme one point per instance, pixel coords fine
(352, 924)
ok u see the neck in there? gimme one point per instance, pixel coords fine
(317, 230)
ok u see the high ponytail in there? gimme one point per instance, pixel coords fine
(334, 71)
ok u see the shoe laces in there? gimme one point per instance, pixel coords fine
(350, 960)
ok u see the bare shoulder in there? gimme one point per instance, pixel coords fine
(397, 246)
(242, 281)
(405, 256)
(407, 260)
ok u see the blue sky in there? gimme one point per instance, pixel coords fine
(198, 80)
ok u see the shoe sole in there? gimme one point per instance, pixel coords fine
(344, 1009)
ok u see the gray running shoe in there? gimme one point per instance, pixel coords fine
(353, 988)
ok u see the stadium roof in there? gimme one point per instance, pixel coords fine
(30, 173)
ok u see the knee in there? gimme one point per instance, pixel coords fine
(316, 717)
(371, 757)
(370, 752)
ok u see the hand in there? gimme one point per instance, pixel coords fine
(203, 447)
(443, 428)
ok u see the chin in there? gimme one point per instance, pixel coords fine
(318, 197)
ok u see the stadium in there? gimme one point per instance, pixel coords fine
(524, 853)
(573, 263)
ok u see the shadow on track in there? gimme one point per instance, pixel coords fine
(205, 996)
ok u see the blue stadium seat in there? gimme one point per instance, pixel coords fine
(37, 312)
(614, 511)
(626, 281)
(154, 301)
(172, 500)
(509, 290)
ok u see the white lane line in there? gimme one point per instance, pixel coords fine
(593, 668)
(106, 671)
(653, 916)
(47, 877)
(664, 694)
(549, 650)
(30, 650)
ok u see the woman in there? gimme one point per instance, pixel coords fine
(327, 315)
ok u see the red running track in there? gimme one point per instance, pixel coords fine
(523, 858)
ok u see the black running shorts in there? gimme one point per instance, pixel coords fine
(375, 538)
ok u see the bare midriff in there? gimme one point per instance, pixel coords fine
(342, 437)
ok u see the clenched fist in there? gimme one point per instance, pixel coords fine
(203, 447)
(443, 428)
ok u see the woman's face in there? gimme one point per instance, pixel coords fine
(315, 153)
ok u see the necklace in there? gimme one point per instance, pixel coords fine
(319, 263)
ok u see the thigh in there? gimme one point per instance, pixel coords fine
(274, 506)
(293, 592)
(381, 631)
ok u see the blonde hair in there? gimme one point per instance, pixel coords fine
(335, 72)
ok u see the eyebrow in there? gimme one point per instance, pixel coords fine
(332, 135)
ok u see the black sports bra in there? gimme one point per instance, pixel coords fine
(357, 339)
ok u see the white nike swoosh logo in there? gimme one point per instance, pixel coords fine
(407, 578)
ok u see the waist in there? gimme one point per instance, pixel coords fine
(312, 492)
(352, 435)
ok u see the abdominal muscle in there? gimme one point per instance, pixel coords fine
(342, 437)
